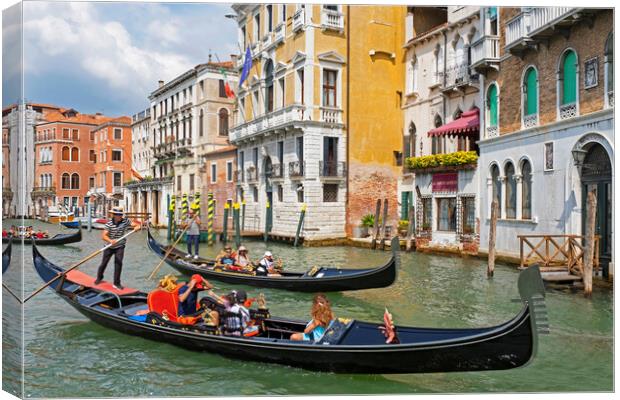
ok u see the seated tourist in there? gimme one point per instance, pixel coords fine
(266, 266)
(322, 316)
(237, 322)
(226, 258)
(188, 294)
(5, 233)
(242, 259)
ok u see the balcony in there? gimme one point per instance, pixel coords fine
(492, 131)
(458, 79)
(299, 20)
(332, 20)
(530, 121)
(331, 115)
(485, 54)
(252, 174)
(277, 172)
(117, 190)
(267, 40)
(568, 110)
(280, 33)
(296, 169)
(148, 182)
(273, 120)
(538, 24)
(330, 170)
(43, 191)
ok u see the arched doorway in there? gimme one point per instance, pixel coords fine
(596, 177)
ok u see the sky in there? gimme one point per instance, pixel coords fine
(108, 57)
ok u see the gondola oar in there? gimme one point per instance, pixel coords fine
(170, 249)
(11, 292)
(92, 255)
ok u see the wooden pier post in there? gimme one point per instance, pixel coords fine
(410, 227)
(90, 218)
(590, 243)
(225, 223)
(171, 222)
(267, 220)
(237, 224)
(243, 215)
(492, 228)
(301, 222)
(375, 234)
(210, 217)
(384, 223)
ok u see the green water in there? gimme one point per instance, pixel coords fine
(66, 355)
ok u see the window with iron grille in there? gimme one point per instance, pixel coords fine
(468, 217)
(330, 193)
(280, 193)
(300, 193)
(118, 133)
(255, 194)
(222, 88)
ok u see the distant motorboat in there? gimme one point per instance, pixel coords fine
(70, 224)
(55, 215)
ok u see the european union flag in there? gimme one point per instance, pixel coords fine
(247, 65)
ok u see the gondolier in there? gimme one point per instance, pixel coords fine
(114, 230)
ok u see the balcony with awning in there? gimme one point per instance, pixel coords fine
(468, 125)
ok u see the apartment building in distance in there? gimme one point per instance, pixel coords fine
(548, 131)
(189, 117)
(218, 179)
(111, 155)
(318, 119)
(63, 163)
(19, 181)
(441, 120)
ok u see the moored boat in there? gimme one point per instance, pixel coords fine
(348, 346)
(70, 224)
(6, 257)
(317, 279)
(61, 238)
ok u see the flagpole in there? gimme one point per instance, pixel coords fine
(236, 94)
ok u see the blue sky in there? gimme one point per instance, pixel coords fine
(108, 57)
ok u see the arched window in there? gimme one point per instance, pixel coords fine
(66, 181)
(75, 154)
(511, 191)
(410, 141)
(530, 98)
(492, 111)
(223, 118)
(437, 141)
(438, 66)
(496, 185)
(201, 122)
(609, 70)
(526, 192)
(75, 181)
(66, 153)
(269, 86)
(568, 85)
(414, 75)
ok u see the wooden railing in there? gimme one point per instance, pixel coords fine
(557, 251)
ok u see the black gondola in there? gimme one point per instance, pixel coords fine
(6, 258)
(317, 279)
(61, 238)
(347, 346)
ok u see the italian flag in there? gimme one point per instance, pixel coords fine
(229, 91)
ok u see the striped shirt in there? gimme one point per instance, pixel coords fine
(116, 231)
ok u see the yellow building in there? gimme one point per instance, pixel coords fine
(319, 117)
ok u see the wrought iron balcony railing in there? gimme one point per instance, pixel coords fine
(331, 169)
(296, 169)
(252, 174)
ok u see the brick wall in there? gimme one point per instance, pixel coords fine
(587, 41)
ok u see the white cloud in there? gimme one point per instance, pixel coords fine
(127, 47)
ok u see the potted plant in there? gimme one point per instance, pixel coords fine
(367, 222)
(403, 227)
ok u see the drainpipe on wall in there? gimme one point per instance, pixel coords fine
(347, 128)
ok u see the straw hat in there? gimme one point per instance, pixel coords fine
(117, 210)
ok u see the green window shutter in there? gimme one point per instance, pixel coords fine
(404, 205)
(531, 106)
(492, 100)
(569, 84)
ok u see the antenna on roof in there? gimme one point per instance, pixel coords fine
(209, 56)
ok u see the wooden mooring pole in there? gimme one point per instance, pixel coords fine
(589, 250)
(225, 223)
(375, 234)
(384, 223)
(236, 221)
(301, 222)
(492, 227)
(410, 227)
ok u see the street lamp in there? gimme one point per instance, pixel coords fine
(579, 156)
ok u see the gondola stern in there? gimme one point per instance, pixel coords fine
(532, 292)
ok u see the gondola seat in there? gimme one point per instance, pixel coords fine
(164, 303)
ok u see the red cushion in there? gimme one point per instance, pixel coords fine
(160, 301)
(83, 279)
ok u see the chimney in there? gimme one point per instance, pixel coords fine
(98, 113)
(233, 58)
(161, 83)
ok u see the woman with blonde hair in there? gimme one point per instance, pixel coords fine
(322, 316)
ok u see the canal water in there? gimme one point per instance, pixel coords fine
(66, 355)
